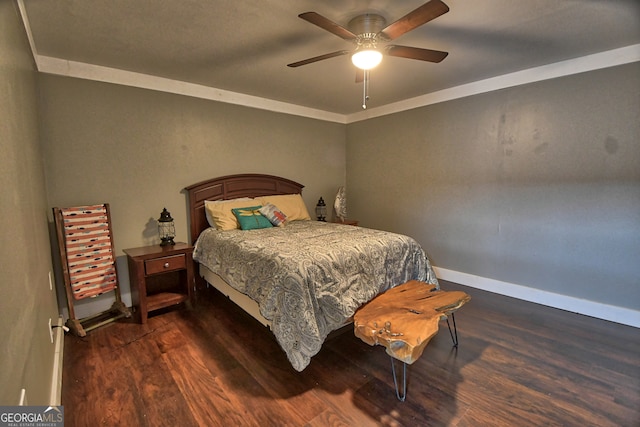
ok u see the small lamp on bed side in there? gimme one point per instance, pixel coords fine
(321, 210)
(166, 229)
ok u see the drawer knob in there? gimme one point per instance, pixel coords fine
(166, 265)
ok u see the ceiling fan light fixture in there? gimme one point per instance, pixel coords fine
(366, 59)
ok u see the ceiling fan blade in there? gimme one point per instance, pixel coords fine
(327, 24)
(425, 13)
(359, 75)
(318, 58)
(416, 53)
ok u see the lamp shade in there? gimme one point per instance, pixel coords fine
(366, 59)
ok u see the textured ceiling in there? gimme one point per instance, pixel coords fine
(244, 46)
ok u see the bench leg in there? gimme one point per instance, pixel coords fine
(454, 334)
(403, 396)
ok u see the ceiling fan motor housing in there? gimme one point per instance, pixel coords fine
(367, 27)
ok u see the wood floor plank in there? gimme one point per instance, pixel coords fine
(256, 349)
(329, 418)
(208, 401)
(337, 390)
(102, 389)
(240, 383)
(517, 364)
(163, 401)
(519, 403)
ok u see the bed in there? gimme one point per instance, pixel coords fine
(302, 280)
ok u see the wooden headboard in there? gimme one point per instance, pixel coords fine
(232, 187)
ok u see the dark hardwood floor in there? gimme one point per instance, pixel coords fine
(518, 364)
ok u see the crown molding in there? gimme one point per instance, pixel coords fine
(569, 67)
(99, 73)
(27, 28)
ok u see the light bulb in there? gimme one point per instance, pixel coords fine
(366, 59)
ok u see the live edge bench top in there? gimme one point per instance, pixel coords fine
(405, 318)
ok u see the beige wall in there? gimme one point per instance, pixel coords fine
(137, 149)
(537, 185)
(26, 303)
(495, 181)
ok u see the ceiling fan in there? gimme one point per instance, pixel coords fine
(369, 29)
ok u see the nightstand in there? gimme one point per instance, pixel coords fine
(346, 221)
(160, 276)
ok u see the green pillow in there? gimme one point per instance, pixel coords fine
(250, 218)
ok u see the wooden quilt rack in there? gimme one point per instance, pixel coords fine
(85, 242)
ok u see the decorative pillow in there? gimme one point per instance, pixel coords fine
(250, 218)
(291, 205)
(273, 214)
(219, 213)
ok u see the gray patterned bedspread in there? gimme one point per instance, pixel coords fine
(310, 277)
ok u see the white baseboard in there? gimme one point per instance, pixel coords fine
(598, 310)
(55, 396)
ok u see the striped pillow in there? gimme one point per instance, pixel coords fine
(273, 214)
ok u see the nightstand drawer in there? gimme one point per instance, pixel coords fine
(162, 265)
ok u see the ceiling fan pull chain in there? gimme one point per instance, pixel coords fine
(365, 90)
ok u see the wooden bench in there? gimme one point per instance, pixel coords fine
(404, 319)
